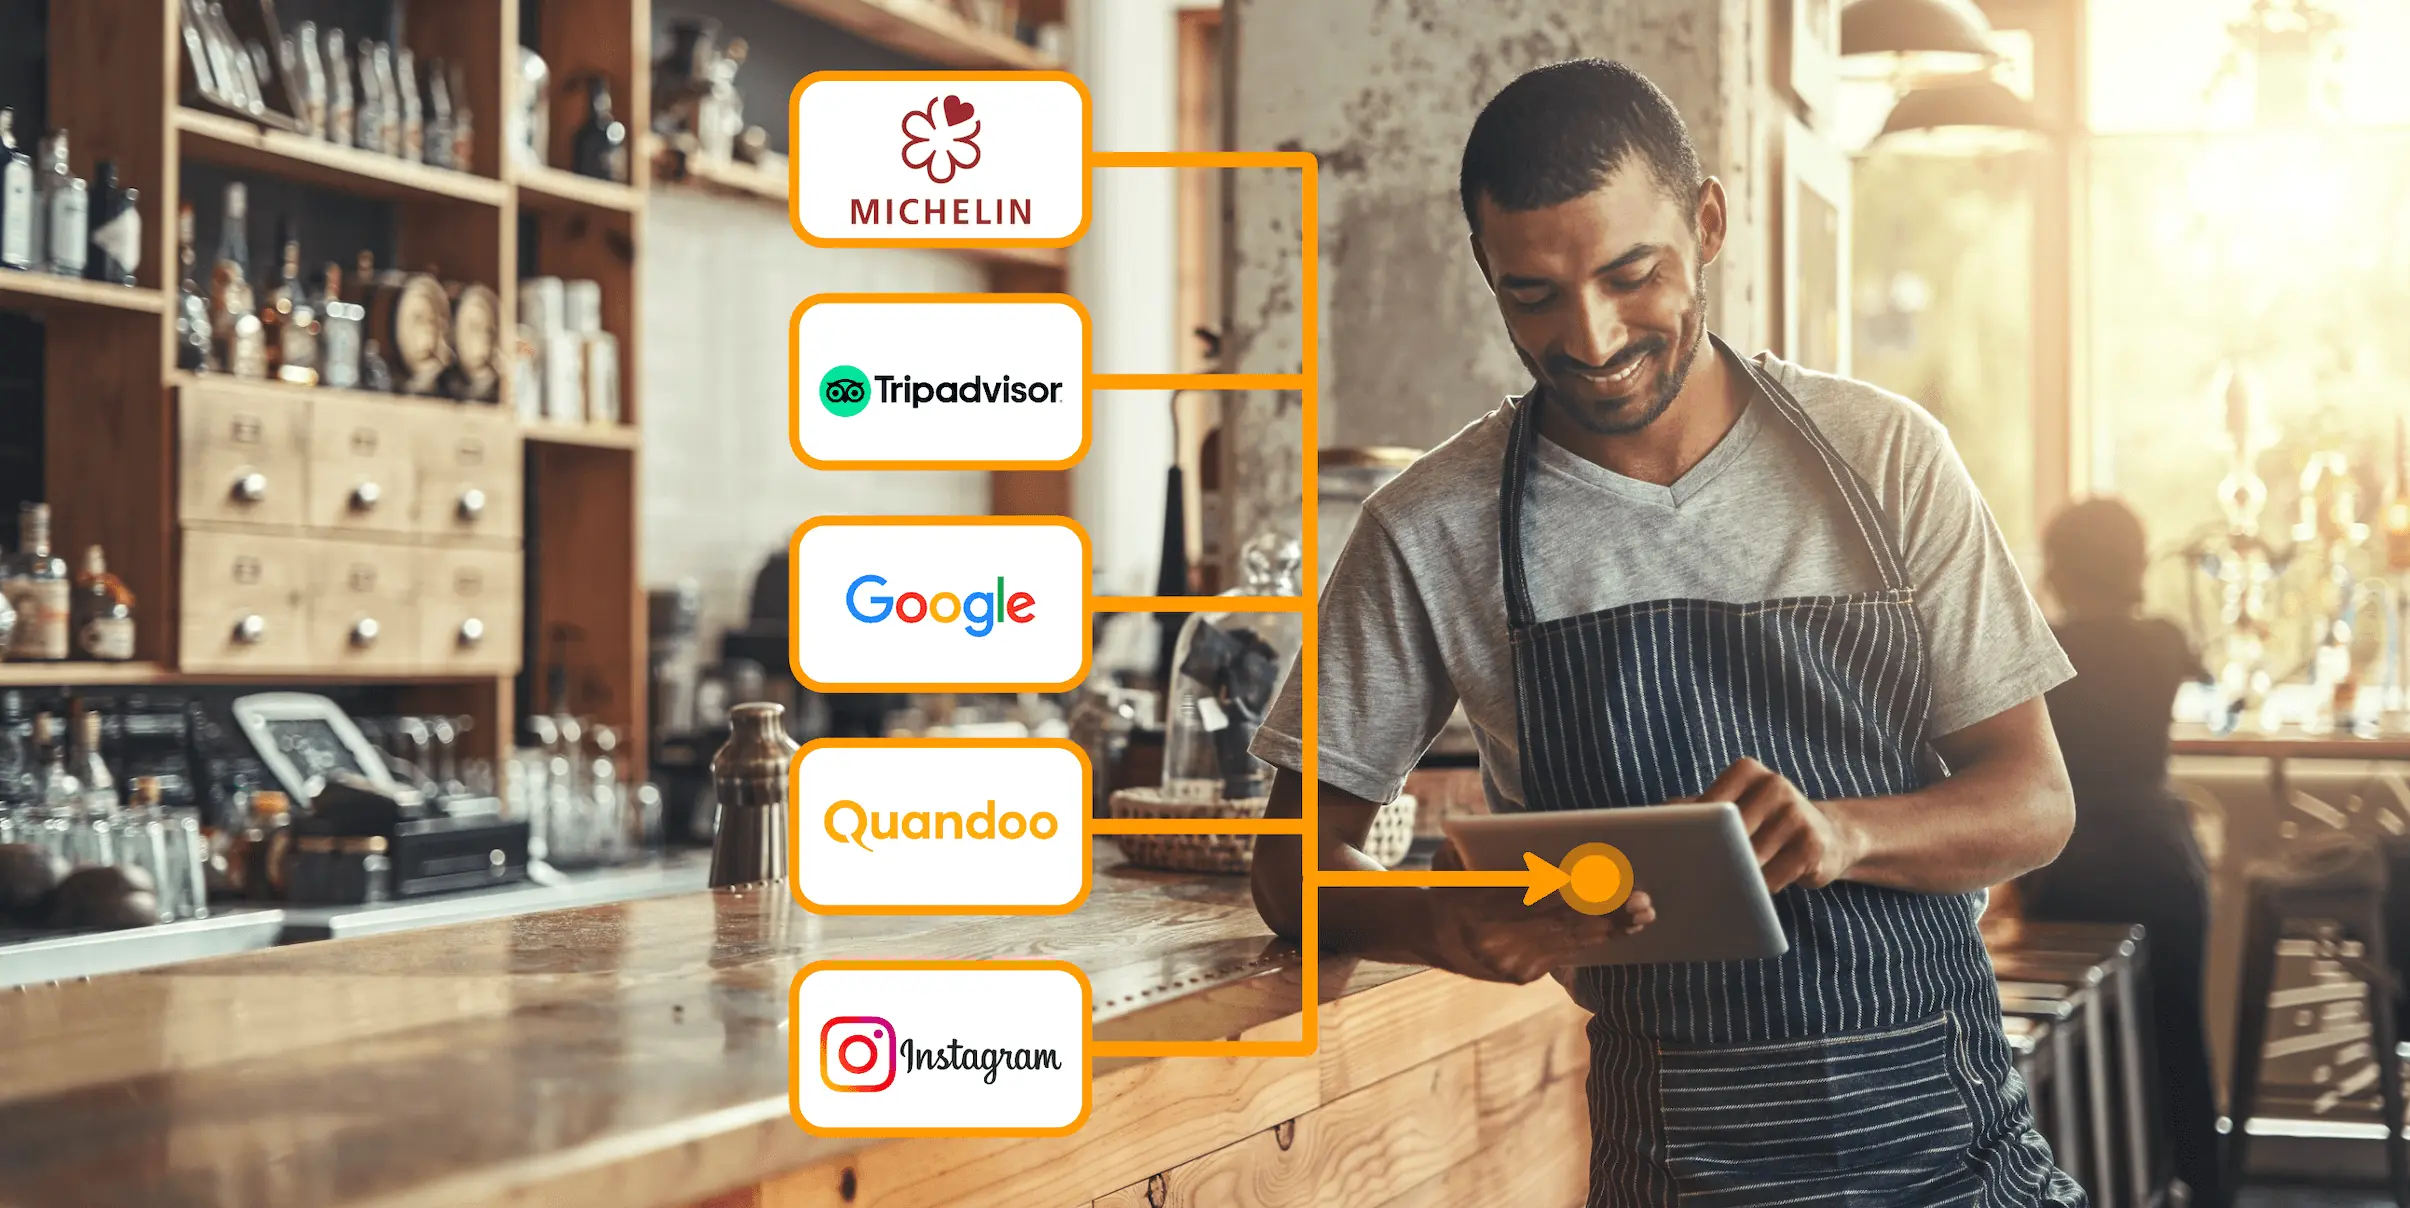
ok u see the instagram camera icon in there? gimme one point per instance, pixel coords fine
(857, 1053)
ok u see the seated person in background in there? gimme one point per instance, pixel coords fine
(2132, 858)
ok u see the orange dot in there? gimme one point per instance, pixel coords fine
(1595, 878)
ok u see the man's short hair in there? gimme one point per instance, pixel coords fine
(1557, 133)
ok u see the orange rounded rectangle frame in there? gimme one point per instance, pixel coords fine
(1087, 376)
(1087, 1050)
(1087, 779)
(1087, 600)
(1087, 184)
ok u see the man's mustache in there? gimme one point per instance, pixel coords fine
(1560, 363)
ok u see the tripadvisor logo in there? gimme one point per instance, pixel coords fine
(845, 390)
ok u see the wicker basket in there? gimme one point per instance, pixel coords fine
(1392, 832)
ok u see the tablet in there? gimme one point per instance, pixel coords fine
(1693, 861)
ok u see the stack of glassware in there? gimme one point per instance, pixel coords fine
(62, 799)
(574, 789)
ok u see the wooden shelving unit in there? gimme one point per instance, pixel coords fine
(111, 460)
(44, 294)
(925, 30)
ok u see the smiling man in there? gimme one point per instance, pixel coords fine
(1667, 572)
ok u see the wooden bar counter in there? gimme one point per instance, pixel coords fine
(636, 1055)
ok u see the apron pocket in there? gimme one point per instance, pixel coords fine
(1874, 1117)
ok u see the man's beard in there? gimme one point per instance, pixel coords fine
(1623, 422)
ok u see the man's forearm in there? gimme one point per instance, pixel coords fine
(1978, 828)
(1383, 922)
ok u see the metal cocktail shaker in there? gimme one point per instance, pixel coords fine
(749, 778)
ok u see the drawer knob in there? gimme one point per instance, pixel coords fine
(251, 629)
(364, 632)
(472, 631)
(472, 504)
(251, 487)
(364, 497)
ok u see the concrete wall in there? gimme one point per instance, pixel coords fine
(1384, 92)
(721, 489)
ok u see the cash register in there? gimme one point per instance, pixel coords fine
(310, 747)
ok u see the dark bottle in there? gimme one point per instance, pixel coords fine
(104, 612)
(437, 137)
(464, 123)
(116, 229)
(234, 323)
(600, 149)
(193, 349)
(16, 197)
(289, 323)
(20, 776)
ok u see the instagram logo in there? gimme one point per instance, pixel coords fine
(857, 1053)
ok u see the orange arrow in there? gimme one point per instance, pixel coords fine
(1537, 880)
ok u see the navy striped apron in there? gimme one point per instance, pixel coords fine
(1865, 1066)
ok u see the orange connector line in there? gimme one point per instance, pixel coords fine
(1306, 383)
(1202, 604)
(1197, 381)
(1196, 826)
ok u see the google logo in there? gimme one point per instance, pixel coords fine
(977, 610)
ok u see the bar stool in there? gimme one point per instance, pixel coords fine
(2110, 959)
(2057, 1110)
(2338, 880)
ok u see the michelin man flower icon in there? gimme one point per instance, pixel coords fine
(942, 139)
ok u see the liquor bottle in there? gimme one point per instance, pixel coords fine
(339, 333)
(464, 125)
(439, 117)
(313, 79)
(66, 209)
(58, 790)
(368, 116)
(414, 126)
(116, 249)
(103, 612)
(389, 101)
(20, 775)
(600, 148)
(194, 351)
(289, 324)
(37, 587)
(338, 90)
(16, 197)
(91, 771)
(234, 323)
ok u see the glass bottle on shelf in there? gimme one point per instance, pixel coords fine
(66, 210)
(103, 612)
(116, 242)
(414, 124)
(16, 197)
(389, 101)
(58, 813)
(369, 111)
(100, 785)
(194, 351)
(600, 147)
(338, 89)
(1225, 668)
(339, 324)
(142, 842)
(37, 586)
(313, 79)
(234, 323)
(464, 124)
(289, 324)
(20, 775)
(438, 134)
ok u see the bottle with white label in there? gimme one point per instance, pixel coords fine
(16, 197)
(116, 249)
(35, 581)
(66, 207)
(103, 612)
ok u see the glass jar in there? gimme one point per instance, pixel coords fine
(1225, 670)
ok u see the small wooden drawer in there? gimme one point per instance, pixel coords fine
(245, 604)
(468, 473)
(362, 472)
(469, 610)
(239, 456)
(363, 606)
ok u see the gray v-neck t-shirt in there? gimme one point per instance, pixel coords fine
(1413, 618)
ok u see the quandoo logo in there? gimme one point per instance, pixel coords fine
(848, 821)
(979, 611)
(844, 390)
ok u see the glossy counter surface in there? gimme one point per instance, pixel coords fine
(622, 1054)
